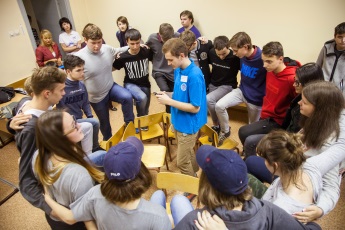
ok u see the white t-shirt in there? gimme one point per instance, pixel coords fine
(69, 39)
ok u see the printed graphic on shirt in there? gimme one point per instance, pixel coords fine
(74, 98)
(183, 86)
(203, 56)
(137, 69)
(249, 71)
(222, 66)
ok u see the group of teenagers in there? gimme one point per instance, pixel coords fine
(294, 140)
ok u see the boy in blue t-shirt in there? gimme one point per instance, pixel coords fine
(76, 99)
(188, 103)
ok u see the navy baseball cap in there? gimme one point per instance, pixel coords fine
(224, 169)
(122, 162)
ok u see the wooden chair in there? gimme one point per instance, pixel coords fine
(169, 134)
(154, 122)
(154, 155)
(206, 133)
(177, 182)
(115, 139)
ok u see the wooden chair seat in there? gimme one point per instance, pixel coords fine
(154, 156)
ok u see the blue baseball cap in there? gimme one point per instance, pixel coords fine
(122, 162)
(224, 169)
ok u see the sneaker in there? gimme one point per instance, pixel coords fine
(189, 196)
(215, 128)
(222, 136)
(146, 128)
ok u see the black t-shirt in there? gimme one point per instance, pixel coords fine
(224, 72)
(136, 67)
(338, 53)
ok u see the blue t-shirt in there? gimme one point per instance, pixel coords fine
(189, 87)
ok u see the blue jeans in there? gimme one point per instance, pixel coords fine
(118, 94)
(180, 206)
(95, 126)
(256, 166)
(142, 97)
(97, 158)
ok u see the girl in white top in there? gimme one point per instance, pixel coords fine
(69, 39)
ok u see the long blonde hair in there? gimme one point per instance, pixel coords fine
(51, 140)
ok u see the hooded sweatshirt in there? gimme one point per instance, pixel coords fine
(279, 93)
(253, 78)
(256, 214)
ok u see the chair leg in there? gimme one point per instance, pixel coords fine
(166, 162)
(16, 189)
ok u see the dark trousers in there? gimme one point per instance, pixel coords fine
(164, 84)
(259, 127)
(59, 225)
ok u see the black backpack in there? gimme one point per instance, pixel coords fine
(6, 94)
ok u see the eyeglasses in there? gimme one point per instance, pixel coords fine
(74, 126)
(297, 82)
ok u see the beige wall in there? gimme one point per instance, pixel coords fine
(17, 54)
(301, 26)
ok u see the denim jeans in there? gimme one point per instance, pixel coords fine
(142, 97)
(256, 166)
(95, 125)
(97, 158)
(118, 94)
(179, 206)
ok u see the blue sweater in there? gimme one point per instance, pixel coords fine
(76, 99)
(253, 78)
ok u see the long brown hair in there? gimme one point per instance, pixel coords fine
(213, 198)
(51, 140)
(285, 149)
(328, 101)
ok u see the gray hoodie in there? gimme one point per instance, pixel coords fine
(256, 214)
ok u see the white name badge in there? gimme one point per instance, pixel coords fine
(184, 78)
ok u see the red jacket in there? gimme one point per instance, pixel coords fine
(279, 93)
(43, 54)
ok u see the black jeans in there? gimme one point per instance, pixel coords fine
(59, 225)
(164, 84)
(260, 127)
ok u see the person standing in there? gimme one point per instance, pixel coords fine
(69, 39)
(188, 103)
(99, 81)
(332, 58)
(187, 21)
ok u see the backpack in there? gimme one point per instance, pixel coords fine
(6, 94)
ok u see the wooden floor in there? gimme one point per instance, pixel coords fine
(17, 213)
